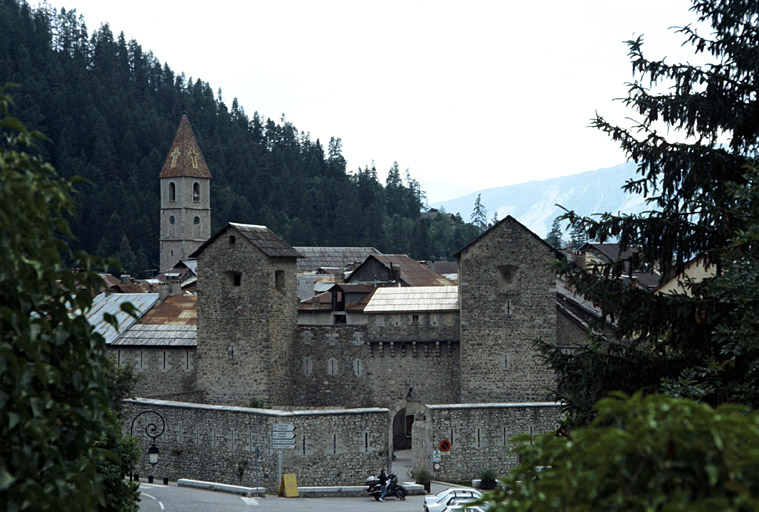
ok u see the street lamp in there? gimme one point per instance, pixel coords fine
(153, 454)
(152, 431)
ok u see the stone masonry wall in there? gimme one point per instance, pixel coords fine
(161, 372)
(507, 298)
(479, 436)
(413, 326)
(340, 365)
(245, 332)
(218, 443)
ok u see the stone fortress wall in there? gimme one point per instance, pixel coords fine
(247, 313)
(342, 365)
(218, 443)
(478, 434)
(167, 373)
(507, 297)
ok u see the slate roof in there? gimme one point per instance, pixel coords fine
(315, 258)
(411, 299)
(612, 251)
(185, 158)
(413, 273)
(509, 218)
(260, 236)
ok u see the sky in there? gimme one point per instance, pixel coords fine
(466, 95)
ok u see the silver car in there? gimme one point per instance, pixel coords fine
(454, 496)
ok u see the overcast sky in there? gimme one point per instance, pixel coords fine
(475, 94)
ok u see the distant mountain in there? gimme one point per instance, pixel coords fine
(534, 203)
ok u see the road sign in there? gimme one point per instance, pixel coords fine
(437, 456)
(282, 435)
(282, 446)
(282, 427)
(445, 445)
(435, 466)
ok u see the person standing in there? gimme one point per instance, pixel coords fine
(383, 485)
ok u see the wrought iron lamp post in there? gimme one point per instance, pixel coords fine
(152, 431)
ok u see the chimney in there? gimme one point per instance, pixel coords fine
(125, 278)
(172, 286)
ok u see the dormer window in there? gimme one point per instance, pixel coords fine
(172, 192)
(196, 191)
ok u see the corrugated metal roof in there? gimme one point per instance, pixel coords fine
(112, 304)
(336, 257)
(178, 309)
(416, 298)
(155, 335)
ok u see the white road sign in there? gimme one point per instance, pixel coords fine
(282, 435)
(282, 427)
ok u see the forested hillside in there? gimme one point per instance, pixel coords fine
(111, 110)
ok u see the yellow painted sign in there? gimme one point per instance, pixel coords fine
(288, 487)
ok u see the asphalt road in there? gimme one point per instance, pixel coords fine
(158, 498)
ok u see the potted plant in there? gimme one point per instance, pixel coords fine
(423, 477)
(487, 480)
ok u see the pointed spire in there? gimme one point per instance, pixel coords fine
(185, 158)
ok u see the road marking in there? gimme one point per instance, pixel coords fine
(150, 485)
(161, 505)
(249, 501)
(149, 496)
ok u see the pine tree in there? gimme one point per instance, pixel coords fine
(554, 237)
(686, 343)
(479, 214)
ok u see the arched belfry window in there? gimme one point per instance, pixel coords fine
(172, 192)
(196, 191)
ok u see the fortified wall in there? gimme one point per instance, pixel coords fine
(478, 436)
(168, 373)
(218, 443)
(345, 365)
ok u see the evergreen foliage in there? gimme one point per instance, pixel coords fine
(643, 453)
(62, 447)
(554, 237)
(111, 111)
(480, 214)
(701, 342)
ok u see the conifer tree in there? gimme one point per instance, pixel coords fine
(479, 214)
(695, 146)
(554, 237)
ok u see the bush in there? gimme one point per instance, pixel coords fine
(422, 476)
(642, 454)
(487, 479)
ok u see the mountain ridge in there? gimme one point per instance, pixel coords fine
(534, 203)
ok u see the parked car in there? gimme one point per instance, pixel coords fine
(440, 501)
(461, 507)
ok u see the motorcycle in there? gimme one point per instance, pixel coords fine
(394, 489)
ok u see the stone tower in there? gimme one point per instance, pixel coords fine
(185, 198)
(507, 298)
(247, 313)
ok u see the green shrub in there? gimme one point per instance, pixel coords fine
(642, 453)
(487, 479)
(422, 476)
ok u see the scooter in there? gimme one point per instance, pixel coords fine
(394, 489)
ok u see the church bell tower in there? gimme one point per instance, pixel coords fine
(185, 198)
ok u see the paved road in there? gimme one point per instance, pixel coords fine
(158, 498)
